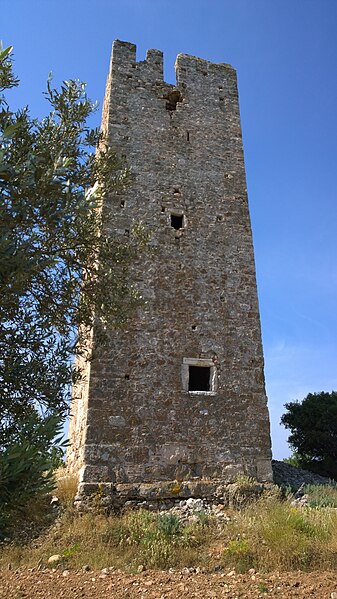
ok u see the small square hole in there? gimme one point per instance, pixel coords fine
(177, 221)
(199, 378)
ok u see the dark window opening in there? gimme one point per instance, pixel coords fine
(127, 232)
(199, 378)
(194, 327)
(163, 208)
(122, 203)
(188, 135)
(177, 221)
(127, 377)
(173, 98)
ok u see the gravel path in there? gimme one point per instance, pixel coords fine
(47, 584)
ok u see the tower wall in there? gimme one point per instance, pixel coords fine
(138, 428)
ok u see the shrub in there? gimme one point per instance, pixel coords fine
(25, 470)
(239, 552)
(157, 537)
(322, 495)
(169, 525)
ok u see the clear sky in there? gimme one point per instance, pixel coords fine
(285, 52)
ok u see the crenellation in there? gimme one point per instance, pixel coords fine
(123, 53)
(154, 59)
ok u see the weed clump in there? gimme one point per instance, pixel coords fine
(321, 495)
(66, 487)
(161, 539)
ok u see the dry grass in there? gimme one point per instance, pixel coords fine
(123, 542)
(272, 535)
(66, 487)
(267, 535)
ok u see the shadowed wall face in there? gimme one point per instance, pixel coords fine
(179, 394)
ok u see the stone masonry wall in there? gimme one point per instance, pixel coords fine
(137, 428)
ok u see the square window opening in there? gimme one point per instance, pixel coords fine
(199, 378)
(177, 221)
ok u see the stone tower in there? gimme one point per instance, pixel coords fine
(176, 406)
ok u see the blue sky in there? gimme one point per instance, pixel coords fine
(285, 52)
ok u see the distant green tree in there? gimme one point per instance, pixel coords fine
(60, 269)
(293, 460)
(313, 426)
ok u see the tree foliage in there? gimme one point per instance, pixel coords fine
(313, 426)
(60, 269)
(26, 467)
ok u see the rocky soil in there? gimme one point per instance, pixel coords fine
(48, 583)
(289, 476)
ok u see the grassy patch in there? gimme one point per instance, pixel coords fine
(267, 535)
(155, 541)
(272, 535)
(322, 495)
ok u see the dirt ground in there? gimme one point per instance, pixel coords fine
(47, 584)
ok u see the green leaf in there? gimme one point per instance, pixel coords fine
(11, 129)
(5, 53)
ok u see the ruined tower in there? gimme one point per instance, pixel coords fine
(176, 405)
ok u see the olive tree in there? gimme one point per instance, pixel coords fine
(60, 268)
